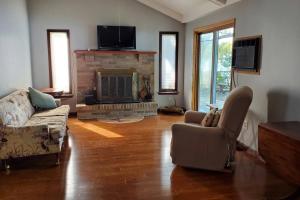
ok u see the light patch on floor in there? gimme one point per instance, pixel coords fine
(96, 129)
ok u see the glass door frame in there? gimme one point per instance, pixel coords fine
(196, 52)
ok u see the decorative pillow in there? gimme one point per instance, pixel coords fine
(41, 100)
(208, 119)
(216, 119)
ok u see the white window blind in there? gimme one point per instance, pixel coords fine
(168, 62)
(60, 66)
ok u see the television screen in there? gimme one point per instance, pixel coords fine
(247, 53)
(244, 57)
(116, 37)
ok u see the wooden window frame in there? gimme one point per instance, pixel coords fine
(161, 90)
(67, 31)
(196, 52)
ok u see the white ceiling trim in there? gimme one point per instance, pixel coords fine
(200, 11)
(163, 9)
(219, 2)
(194, 11)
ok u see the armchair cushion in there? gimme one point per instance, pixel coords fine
(216, 119)
(208, 119)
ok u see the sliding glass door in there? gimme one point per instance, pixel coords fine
(214, 68)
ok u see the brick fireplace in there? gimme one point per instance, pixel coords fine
(88, 63)
(116, 78)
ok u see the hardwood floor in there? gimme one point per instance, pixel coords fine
(131, 161)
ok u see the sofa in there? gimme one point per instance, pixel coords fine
(25, 132)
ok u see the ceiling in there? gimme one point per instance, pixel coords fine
(187, 10)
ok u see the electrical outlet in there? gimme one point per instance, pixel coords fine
(245, 125)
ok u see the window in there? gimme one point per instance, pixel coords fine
(215, 68)
(59, 59)
(168, 62)
(212, 61)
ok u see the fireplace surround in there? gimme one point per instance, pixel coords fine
(120, 81)
(126, 65)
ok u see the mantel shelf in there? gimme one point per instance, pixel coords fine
(93, 52)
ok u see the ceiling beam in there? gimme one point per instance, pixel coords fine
(198, 10)
(219, 2)
(163, 9)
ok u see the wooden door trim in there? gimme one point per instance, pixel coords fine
(196, 51)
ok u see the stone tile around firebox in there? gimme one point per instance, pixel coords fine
(99, 111)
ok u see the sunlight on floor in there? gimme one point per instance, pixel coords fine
(166, 165)
(71, 179)
(98, 130)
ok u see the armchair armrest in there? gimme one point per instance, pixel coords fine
(194, 117)
(188, 130)
(199, 147)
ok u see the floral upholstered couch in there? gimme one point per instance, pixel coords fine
(24, 132)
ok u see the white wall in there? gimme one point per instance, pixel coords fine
(15, 66)
(82, 17)
(277, 88)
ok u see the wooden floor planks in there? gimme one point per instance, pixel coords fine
(135, 165)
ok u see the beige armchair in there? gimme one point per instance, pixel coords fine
(211, 148)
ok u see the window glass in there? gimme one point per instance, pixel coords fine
(60, 66)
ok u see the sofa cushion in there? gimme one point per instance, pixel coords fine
(55, 119)
(56, 124)
(15, 109)
(41, 100)
(60, 111)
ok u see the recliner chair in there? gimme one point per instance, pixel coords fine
(211, 148)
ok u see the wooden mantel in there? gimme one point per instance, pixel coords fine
(95, 52)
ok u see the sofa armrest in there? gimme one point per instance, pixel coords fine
(194, 117)
(23, 141)
(24, 131)
(58, 102)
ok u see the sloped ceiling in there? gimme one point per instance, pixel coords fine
(187, 10)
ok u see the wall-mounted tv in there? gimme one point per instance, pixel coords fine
(247, 53)
(116, 37)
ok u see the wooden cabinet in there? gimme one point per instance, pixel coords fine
(279, 146)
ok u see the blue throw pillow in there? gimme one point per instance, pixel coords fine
(41, 100)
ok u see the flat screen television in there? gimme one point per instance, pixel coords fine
(246, 53)
(116, 37)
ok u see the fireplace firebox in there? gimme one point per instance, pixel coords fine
(117, 85)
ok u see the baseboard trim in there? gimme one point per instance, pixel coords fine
(253, 153)
(73, 114)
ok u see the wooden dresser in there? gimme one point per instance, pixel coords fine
(279, 146)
